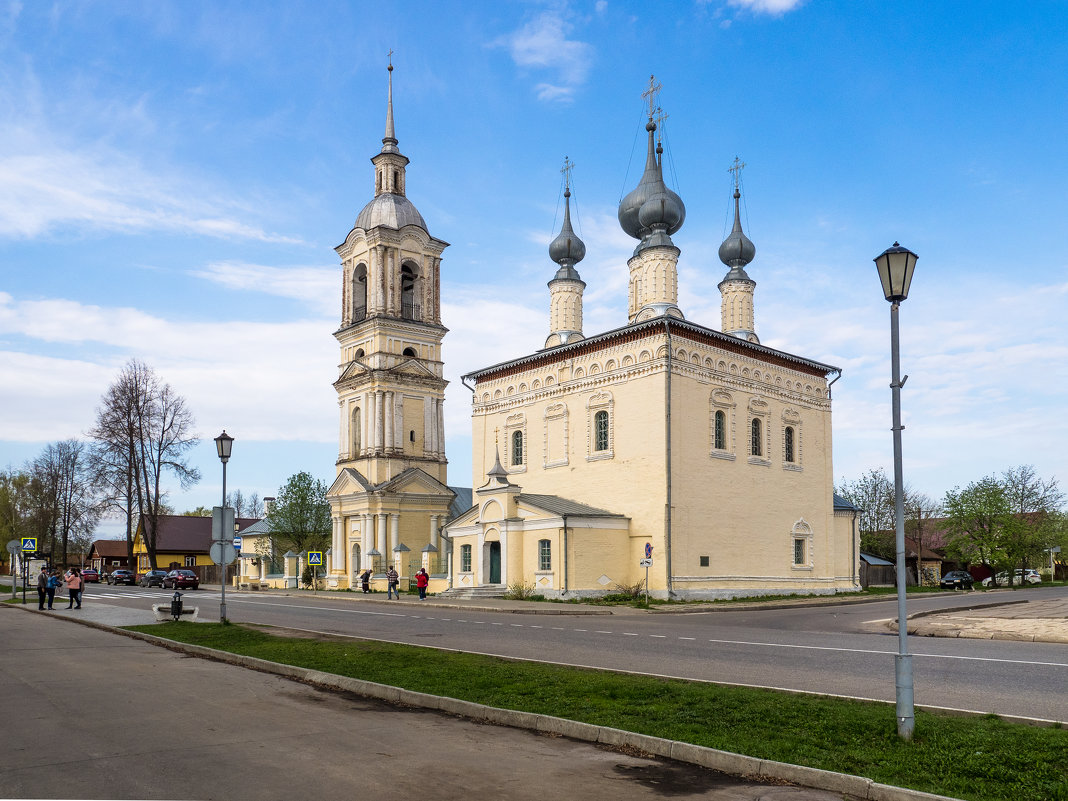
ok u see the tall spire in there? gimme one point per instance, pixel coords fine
(565, 288)
(389, 141)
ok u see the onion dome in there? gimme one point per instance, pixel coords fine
(737, 250)
(567, 249)
(651, 207)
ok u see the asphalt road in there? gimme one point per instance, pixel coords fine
(840, 649)
(91, 714)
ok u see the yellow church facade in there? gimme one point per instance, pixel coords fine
(698, 455)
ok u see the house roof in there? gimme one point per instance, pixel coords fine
(843, 505)
(910, 550)
(683, 328)
(562, 506)
(183, 534)
(874, 560)
(461, 503)
(105, 548)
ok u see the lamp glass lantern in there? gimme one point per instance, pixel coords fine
(896, 265)
(224, 443)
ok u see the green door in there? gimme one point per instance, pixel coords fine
(494, 563)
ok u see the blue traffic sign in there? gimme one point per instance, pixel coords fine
(648, 550)
(315, 557)
(29, 543)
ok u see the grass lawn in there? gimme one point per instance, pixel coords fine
(961, 757)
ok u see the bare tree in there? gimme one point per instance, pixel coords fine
(873, 495)
(245, 505)
(143, 430)
(920, 512)
(71, 502)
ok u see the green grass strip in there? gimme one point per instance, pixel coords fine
(961, 757)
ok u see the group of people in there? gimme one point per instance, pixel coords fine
(422, 580)
(49, 581)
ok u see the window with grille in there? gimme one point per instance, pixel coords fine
(600, 431)
(721, 431)
(465, 558)
(517, 447)
(545, 555)
(788, 444)
(799, 551)
(755, 448)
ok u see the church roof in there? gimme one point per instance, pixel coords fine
(391, 211)
(679, 327)
(562, 506)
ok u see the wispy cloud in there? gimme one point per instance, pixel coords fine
(774, 7)
(542, 44)
(315, 286)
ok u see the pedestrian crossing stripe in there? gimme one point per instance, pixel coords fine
(29, 543)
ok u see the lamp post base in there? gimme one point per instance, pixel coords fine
(906, 720)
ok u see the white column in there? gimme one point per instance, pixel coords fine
(367, 537)
(394, 533)
(428, 436)
(398, 421)
(380, 540)
(389, 421)
(342, 445)
(369, 431)
(441, 428)
(434, 530)
(379, 415)
(341, 550)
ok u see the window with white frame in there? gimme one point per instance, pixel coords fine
(801, 541)
(600, 431)
(791, 440)
(516, 442)
(545, 555)
(758, 445)
(721, 407)
(465, 558)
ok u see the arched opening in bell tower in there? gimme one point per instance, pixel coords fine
(409, 308)
(359, 293)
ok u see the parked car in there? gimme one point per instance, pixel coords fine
(181, 579)
(153, 578)
(1019, 578)
(122, 576)
(90, 574)
(958, 578)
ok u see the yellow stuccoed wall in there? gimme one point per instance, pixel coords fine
(739, 512)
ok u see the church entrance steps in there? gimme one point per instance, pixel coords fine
(482, 591)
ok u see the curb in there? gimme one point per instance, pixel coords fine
(738, 765)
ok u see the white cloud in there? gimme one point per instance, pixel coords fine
(774, 7)
(316, 286)
(542, 44)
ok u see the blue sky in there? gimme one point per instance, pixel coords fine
(174, 177)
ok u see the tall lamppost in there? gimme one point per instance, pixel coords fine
(224, 443)
(895, 265)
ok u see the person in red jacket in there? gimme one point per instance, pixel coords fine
(421, 581)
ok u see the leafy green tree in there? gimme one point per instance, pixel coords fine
(1036, 504)
(979, 520)
(873, 495)
(200, 511)
(300, 518)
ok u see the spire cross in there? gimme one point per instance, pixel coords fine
(569, 165)
(389, 55)
(736, 168)
(653, 94)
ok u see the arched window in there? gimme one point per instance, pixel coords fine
(465, 558)
(517, 447)
(755, 449)
(788, 444)
(356, 431)
(600, 431)
(359, 293)
(409, 352)
(409, 311)
(721, 430)
(545, 555)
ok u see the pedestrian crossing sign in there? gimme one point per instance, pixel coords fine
(315, 557)
(29, 543)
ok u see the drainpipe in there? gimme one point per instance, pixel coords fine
(565, 555)
(667, 427)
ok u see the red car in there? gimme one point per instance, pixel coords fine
(181, 579)
(90, 574)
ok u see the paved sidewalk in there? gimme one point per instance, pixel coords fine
(1026, 621)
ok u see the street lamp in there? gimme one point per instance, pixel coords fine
(896, 265)
(224, 444)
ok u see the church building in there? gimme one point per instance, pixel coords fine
(662, 448)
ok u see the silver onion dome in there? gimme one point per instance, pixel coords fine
(666, 211)
(737, 249)
(567, 249)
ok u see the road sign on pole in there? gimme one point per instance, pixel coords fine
(315, 558)
(648, 550)
(222, 553)
(29, 543)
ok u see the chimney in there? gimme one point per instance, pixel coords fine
(268, 505)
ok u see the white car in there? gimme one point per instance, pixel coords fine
(1019, 578)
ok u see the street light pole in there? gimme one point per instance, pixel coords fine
(224, 445)
(895, 266)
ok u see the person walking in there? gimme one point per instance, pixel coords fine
(365, 580)
(42, 587)
(53, 584)
(74, 583)
(422, 579)
(392, 580)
